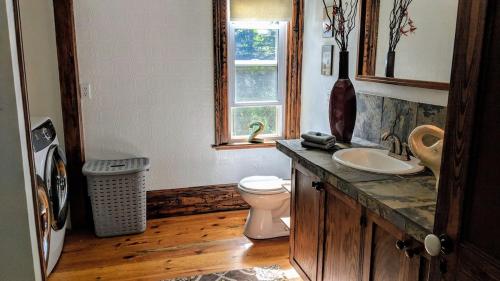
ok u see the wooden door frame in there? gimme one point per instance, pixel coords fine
(27, 129)
(473, 34)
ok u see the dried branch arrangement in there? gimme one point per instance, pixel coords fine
(342, 19)
(400, 23)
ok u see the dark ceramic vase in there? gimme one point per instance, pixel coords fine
(343, 103)
(389, 64)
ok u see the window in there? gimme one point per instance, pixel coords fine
(257, 69)
(257, 78)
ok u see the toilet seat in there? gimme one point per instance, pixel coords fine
(262, 185)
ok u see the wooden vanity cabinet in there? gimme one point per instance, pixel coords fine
(333, 237)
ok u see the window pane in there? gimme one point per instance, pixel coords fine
(256, 83)
(256, 44)
(242, 117)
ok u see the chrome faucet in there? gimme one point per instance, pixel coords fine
(398, 149)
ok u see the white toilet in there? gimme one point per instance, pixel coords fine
(269, 202)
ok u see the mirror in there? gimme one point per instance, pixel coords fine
(407, 42)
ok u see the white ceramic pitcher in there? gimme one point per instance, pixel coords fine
(430, 156)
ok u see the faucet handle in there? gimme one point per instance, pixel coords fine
(387, 136)
(405, 152)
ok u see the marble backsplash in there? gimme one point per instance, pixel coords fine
(377, 115)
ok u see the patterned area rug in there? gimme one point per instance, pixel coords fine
(270, 273)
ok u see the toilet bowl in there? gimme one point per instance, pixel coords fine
(269, 201)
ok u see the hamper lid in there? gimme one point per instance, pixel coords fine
(115, 167)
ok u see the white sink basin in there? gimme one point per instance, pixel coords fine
(376, 161)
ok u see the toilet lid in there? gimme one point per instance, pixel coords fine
(262, 184)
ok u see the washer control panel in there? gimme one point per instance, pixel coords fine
(43, 136)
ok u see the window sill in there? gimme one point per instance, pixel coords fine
(244, 145)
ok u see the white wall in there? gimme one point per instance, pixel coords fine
(316, 88)
(40, 58)
(150, 64)
(18, 245)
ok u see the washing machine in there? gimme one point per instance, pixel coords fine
(50, 164)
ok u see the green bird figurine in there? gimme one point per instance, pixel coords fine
(253, 136)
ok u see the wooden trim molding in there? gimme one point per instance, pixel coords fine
(244, 145)
(367, 51)
(72, 116)
(194, 200)
(294, 73)
(405, 82)
(220, 71)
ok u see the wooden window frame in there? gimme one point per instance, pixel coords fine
(292, 103)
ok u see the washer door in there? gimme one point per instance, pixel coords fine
(57, 186)
(43, 220)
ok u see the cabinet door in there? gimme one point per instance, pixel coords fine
(382, 258)
(343, 235)
(306, 237)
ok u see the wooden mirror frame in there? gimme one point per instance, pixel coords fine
(367, 51)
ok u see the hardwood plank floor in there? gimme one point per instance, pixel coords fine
(170, 247)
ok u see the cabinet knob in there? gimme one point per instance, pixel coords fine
(410, 253)
(318, 185)
(402, 244)
(435, 245)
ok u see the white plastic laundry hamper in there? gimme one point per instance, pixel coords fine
(117, 190)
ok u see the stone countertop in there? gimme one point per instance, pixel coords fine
(409, 202)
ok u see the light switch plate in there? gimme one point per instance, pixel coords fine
(86, 90)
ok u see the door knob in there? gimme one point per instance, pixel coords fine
(435, 245)
(318, 185)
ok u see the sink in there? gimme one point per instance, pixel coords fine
(376, 161)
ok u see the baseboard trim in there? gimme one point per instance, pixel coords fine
(194, 200)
